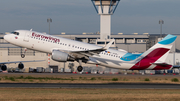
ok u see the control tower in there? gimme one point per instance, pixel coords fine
(105, 8)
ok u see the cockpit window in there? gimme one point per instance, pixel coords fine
(16, 33)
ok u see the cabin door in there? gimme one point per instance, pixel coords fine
(27, 36)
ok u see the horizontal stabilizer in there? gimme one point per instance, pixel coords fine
(161, 64)
(176, 66)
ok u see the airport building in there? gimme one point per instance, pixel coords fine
(134, 43)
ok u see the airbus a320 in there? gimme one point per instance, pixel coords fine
(63, 50)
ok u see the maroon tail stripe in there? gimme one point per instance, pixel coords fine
(149, 59)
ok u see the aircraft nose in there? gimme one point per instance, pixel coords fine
(6, 37)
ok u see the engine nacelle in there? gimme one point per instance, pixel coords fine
(60, 56)
(3, 67)
(20, 65)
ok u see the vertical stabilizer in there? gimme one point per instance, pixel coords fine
(156, 54)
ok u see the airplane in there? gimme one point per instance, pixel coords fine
(20, 65)
(63, 50)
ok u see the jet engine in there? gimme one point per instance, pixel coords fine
(20, 65)
(61, 56)
(3, 67)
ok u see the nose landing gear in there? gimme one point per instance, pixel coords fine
(23, 53)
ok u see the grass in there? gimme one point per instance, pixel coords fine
(80, 77)
(93, 78)
(44, 78)
(115, 79)
(174, 80)
(146, 79)
(11, 78)
(38, 94)
(125, 79)
(31, 80)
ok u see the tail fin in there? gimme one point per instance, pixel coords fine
(156, 55)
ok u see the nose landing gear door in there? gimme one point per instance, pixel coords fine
(26, 36)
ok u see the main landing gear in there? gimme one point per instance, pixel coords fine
(80, 68)
(23, 53)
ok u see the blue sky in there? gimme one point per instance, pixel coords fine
(78, 16)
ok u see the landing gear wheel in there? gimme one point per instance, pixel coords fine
(80, 68)
(22, 55)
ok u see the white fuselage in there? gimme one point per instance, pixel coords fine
(109, 58)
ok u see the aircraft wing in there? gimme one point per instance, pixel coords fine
(20, 61)
(87, 53)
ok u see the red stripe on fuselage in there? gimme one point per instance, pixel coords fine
(149, 59)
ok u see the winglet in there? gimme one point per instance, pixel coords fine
(168, 39)
(109, 44)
